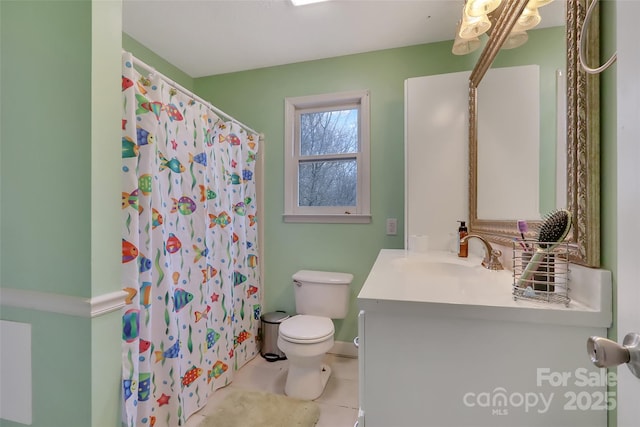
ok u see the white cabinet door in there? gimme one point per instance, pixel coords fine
(361, 365)
(628, 277)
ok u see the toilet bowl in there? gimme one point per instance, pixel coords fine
(306, 338)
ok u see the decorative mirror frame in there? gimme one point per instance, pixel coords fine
(583, 136)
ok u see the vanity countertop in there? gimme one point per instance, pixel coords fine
(447, 285)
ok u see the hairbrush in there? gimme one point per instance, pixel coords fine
(554, 229)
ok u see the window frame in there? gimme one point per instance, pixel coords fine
(294, 107)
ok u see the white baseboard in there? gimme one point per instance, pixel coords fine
(344, 348)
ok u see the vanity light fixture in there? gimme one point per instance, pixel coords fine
(464, 46)
(473, 26)
(475, 22)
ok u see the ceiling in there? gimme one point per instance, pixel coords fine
(208, 37)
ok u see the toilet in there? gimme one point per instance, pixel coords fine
(306, 337)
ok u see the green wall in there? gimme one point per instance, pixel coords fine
(608, 145)
(60, 198)
(608, 165)
(106, 199)
(257, 98)
(46, 63)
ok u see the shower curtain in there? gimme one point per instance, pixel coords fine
(189, 251)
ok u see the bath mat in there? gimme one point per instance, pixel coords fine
(244, 408)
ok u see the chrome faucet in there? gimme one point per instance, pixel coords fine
(490, 260)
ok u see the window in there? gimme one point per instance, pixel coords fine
(327, 158)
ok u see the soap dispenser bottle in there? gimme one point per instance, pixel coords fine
(463, 247)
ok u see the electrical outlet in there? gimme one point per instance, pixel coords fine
(392, 226)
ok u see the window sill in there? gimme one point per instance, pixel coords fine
(328, 218)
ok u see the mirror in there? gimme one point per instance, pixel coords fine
(582, 138)
(511, 142)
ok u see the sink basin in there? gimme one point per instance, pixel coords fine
(442, 265)
(448, 278)
(430, 268)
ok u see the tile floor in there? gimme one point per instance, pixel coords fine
(338, 403)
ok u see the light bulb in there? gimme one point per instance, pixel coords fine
(473, 26)
(529, 19)
(478, 8)
(463, 47)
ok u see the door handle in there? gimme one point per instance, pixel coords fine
(605, 353)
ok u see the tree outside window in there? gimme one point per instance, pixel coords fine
(328, 182)
(327, 158)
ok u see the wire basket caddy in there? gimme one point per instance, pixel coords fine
(547, 280)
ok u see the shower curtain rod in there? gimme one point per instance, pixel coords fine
(190, 94)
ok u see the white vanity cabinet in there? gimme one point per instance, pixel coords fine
(431, 356)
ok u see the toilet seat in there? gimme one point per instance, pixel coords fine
(306, 329)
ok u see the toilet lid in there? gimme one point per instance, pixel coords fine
(306, 329)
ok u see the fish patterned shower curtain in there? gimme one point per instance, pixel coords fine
(189, 251)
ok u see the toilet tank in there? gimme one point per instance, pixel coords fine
(322, 293)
